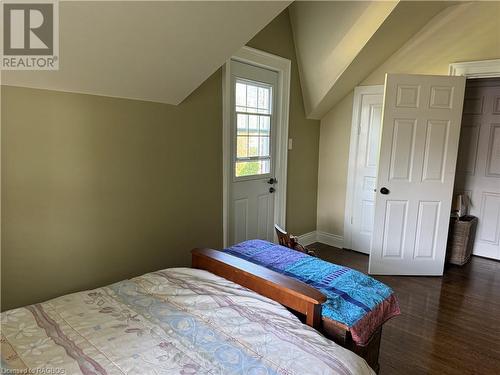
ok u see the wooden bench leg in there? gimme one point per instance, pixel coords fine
(369, 352)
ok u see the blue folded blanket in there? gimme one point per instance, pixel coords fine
(354, 299)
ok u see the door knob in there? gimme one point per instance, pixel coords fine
(272, 181)
(384, 191)
(272, 190)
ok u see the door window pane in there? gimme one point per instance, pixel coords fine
(265, 125)
(264, 146)
(250, 168)
(253, 146)
(241, 94)
(253, 125)
(263, 100)
(253, 128)
(253, 97)
(252, 92)
(242, 147)
(241, 124)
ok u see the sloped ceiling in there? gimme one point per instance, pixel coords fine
(339, 43)
(156, 51)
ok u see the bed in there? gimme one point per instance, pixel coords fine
(356, 307)
(178, 321)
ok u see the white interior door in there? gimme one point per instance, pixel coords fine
(418, 152)
(478, 165)
(367, 119)
(253, 145)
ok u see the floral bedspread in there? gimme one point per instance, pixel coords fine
(175, 321)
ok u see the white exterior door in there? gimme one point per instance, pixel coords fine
(478, 166)
(253, 145)
(418, 153)
(366, 135)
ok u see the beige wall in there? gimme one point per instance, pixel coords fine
(463, 32)
(97, 189)
(332, 175)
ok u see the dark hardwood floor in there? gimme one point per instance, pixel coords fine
(448, 325)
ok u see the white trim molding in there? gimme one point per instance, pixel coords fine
(476, 69)
(283, 67)
(323, 237)
(308, 238)
(331, 239)
(359, 92)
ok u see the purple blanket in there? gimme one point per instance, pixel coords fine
(354, 299)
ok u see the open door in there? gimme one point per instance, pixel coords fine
(418, 152)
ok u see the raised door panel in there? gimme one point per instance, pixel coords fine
(408, 96)
(427, 229)
(493, 155)
(240, 220)
(436, 139)
(373, 135)
(473, 105)
(395, 229)
(489, 230)
(367, 207)
(496, 105)
(263, 216)
(468, 147)
(441, 97)
(402, 149)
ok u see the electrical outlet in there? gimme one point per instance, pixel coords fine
(290, 143)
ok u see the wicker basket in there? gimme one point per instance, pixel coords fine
(461, 239)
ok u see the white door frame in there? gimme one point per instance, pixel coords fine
(476, 69)
(359, 91)
(282, 66)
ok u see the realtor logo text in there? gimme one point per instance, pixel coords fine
(30, 35)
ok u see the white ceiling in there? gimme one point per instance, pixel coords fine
(155, 51)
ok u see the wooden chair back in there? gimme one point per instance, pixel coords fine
(284, 239)
(292, 242)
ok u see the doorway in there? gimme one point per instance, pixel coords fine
(478, 165)
(256, 89)
(362, 171)
(253, 147)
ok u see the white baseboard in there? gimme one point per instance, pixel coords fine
(330, 239)
(308, 238)
(323, 237)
